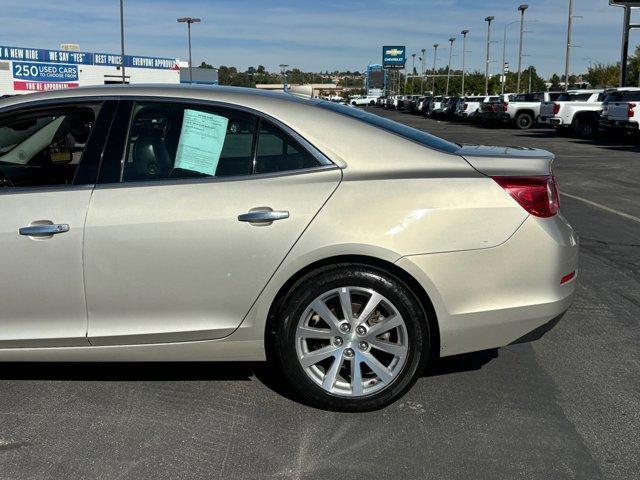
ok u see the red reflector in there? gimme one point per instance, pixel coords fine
(567, 277)
(537, 195)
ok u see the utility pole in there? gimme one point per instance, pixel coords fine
(522, 9)
(435, 56)
(568, 53)
(124, 79)
(451, 40)
(464, 51)
(488, 19)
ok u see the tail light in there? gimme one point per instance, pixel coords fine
(556, 108)
(505, 105)
(631, 110)
(537, 195)
(465, 106)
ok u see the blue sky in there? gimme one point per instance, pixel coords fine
(313, 35)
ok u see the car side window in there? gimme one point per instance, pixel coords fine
(44, 148)
(177, 141)
(279, 152)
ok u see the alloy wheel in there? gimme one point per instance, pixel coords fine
(352, 341)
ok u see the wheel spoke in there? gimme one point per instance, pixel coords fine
(376, 367)
(356, 376)
(384, 326)
(370, 306)
(330, 377)
(311, 332)
(388, 347)
(316, 356)
(345, 303)
(321, 309)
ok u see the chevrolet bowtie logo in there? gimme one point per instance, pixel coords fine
(394, 52)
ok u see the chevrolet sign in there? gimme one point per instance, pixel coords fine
(393, 56)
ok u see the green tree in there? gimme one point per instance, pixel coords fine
(603, 76)
(206, 65)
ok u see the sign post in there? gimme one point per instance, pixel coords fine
(627, 26)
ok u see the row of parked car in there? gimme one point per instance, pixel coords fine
(582, 113)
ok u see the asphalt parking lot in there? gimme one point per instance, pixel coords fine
(567, 406)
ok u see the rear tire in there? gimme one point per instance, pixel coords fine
(524, 121)
(586, 127)
(365, 366)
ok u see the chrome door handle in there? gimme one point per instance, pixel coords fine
(44, 230)
(263, 216)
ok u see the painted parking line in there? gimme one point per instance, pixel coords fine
(602, 207)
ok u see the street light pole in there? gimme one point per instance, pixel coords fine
(189, 21)
(451, 40)
(488, 19)
(464, 51)
(424, 62)
(413, 71)
(568, 54)
(522, 9)
(435, 56)
(124, 80)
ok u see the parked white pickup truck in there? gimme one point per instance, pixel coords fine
(469, 107)
(576, 111)
(621, 110)
(524, 109)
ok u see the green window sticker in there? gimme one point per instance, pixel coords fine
(201, 141)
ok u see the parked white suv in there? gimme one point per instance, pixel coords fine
(621, 110)
(577, 111)
(366, 100)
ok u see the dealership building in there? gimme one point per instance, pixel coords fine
(25, 70)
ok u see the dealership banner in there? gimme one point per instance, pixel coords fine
(42, 86)
(394, 56)
(39, 55)
(45, 72)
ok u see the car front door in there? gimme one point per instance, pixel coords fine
(203, 205)
(48, 166)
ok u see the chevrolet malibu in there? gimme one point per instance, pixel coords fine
(157, 223)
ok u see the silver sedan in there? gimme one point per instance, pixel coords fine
(155, 223)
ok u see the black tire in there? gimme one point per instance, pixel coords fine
(586, 127)
(524, 121)
(283, 337)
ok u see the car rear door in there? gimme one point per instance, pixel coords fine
(49, 157)
(187, 225)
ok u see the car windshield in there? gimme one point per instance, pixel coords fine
(404, 131)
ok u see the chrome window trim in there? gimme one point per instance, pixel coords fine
(229, 178)
(47, 188)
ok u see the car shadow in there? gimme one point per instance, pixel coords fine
(202, 371)
(460, 363)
